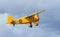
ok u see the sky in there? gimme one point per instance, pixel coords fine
(49, 23)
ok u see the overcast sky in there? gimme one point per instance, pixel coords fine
(49, 23)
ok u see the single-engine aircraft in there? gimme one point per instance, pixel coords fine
(32, 18)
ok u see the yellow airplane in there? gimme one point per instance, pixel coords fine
(32, 18)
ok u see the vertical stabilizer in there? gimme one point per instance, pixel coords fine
(10, 19)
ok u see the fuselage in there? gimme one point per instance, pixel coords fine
(32, 18)
(25, 20)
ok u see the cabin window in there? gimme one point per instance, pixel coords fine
(30, 17)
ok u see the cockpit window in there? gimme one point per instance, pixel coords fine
(20, 21)
(30, 17)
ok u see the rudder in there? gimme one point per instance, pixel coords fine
(10, 19)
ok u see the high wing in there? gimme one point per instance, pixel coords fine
(36, 13)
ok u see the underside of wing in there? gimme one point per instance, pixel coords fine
(36, 13)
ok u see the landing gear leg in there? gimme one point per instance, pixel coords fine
(30, 25)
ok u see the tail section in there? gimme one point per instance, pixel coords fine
(10, 19)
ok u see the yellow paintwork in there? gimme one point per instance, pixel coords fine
(10, 19)
(35, 20)
(24, 20)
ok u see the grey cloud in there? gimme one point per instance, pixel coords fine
(18, 7)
